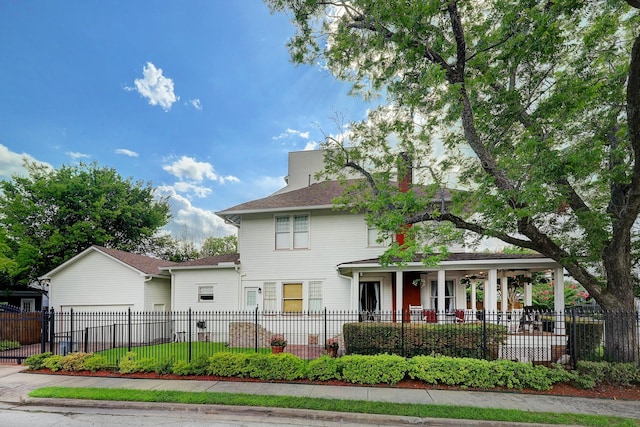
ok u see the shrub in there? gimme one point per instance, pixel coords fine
(164, 366)
(283, 366)
(128, 364)
(182, 367)
(96, 362)
(465, 340)
(9, 345)
(324, 368)
(36, 361)
(383, 368)
(484, 374)
(74, 361)
(227, 364)
(592, 374)
(199, 365)
(53, 362)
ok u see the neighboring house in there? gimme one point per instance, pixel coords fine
(23, 298)
(102, 279)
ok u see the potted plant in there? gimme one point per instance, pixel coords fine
(332, 347)
(278, 343)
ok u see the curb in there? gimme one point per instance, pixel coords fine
(271, 412)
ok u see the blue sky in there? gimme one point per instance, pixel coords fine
(198, 97)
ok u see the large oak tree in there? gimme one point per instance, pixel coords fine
(51, 215)
(530, 108)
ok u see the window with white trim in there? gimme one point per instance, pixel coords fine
(205, 293)
(292, 232)
(315, 296)
(269, 300)
(292, 297)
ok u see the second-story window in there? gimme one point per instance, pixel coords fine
(292, 232)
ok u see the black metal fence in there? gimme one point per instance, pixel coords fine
(525, 335)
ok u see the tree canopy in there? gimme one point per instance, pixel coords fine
(52, 215)
(530, 109)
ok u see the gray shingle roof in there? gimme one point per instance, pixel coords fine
(211, 261)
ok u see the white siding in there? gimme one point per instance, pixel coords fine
(157, 291)
(334, 238)
(97, 280)
(225, 289)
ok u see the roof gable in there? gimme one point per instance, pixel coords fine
(141, 263)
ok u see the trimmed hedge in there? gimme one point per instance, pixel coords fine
(415, 339)
(360, 369)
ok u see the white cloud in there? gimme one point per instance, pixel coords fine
(75, 155)
(195, 103)
(187, 187)
(196, 223)
(157, 88)
(126, 152)
(12, 163)
(311, 146)
(188, 168)
(291, 133)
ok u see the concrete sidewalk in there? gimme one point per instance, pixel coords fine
(15, 384)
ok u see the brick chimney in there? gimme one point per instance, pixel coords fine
(405, 179)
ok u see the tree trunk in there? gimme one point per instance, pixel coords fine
(621, 337)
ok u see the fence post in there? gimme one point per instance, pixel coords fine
(70, 332)
(255, 328)
(189, 334)
(324, 341)
(402, 331)
(129, 329)
(52, 331)
(573, 343)
(484, 334)
(86, 340)
(43, 331)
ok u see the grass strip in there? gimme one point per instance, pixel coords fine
(333, 405)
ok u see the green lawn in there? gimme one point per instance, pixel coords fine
(334, 405)
(177, 350)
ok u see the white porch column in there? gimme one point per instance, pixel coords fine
(492, 290)
(398, 307)
(504, 291)
(474, 297)
(355, 291)
(558, 300)
(441, 292)
(528, 294)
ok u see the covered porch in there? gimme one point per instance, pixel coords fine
(449, 293)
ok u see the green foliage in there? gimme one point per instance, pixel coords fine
(52, 215)
(198, 366)
(324, 368)
(128, 364)
(464, 340)
(593, 374)
(74, 361)
(283, 366)
(383, 368)
(541, 138)
(53, 362)
(227, 364)
(220, 245)
(9, 345)
(465, 372)
(543, 295)
(96, 362)
(36, 361)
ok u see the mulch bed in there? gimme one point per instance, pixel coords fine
(561, 389)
